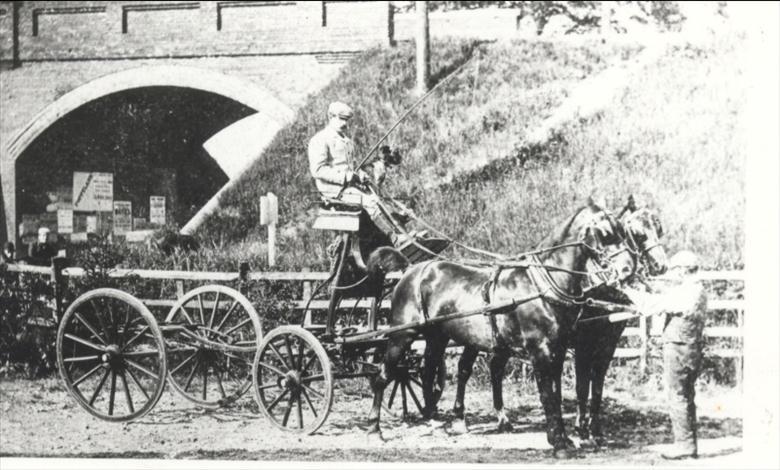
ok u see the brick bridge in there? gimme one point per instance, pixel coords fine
(56, 57)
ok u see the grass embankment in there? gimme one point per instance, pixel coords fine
(673, 139)
(506, 90)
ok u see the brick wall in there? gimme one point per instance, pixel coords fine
(112, 30)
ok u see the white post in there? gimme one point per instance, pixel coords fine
(422, 41)
(269, 215)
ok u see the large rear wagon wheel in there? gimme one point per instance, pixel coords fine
(292, 380)
(111, 355)
(210, 357)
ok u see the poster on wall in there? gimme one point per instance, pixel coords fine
(91, 224)
(123, 217)
(93, 191)
(64, 221)
(157, 210)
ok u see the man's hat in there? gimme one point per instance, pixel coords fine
(340, 109)
(684, 259)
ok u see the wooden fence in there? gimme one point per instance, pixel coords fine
(643, 331)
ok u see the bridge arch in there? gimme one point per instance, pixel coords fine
(273, 113)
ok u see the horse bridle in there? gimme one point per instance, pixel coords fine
(640, 252)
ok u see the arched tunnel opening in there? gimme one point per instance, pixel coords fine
(149, 139)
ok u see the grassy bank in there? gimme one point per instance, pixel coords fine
(504, 90)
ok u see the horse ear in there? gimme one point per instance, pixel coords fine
(596, 202)
(631, 204)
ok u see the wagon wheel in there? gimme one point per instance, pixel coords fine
(292, 380)
(111, 355)
(405, 390)
(210, 356)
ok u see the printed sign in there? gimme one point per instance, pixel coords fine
(123, 217)
(91, 224)
(269, 209)
(64, 221)
(157, 210)
(93, 191)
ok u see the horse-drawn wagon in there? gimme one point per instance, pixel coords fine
(115, 357)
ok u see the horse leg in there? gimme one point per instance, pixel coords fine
(433, 362)
(599, 368)
(396, 349)
(582, 369)
(497, 370)
(465, 367)
(546, 366)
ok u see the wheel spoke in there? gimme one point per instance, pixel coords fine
(112, 394)
(272, 369)
(205, 379)
(214, 310)
(127, 392)
(114, 321)
(415, 381)
(229, 312)
(138, 335)
(90, 328)
(392, 394)
(403, 399)
(308, 400)
(142, 369)
(84, 342)
(186, 315)
(142, 353)
(288, 346)
(137, 383)
(278, 355)
(309, 363)
(219, 384)
(99, 319)
(287, 411)
(81, 358)
(192, 374)
(276, 400)
(312, 391)
(175, 369)
(300, 412)
(414, 398)
(227, 333)
(87, 375)
(127, 323)
(301, 346)
(99, 387)
(200, 307)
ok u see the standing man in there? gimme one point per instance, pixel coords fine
(683, 341)
(684, 302)
(331, 160)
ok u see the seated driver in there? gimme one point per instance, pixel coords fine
(331, 160)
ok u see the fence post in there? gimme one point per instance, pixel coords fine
(306, 295)
(243, 277)
(643, 349)
(179, 288)
(58, 264)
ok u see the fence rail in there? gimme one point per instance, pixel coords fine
(643, 331)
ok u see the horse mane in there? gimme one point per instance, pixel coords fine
(557, 237)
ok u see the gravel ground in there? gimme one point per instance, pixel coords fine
(39, 419)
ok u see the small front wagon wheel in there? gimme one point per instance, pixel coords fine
(292, 380)
(111, 355)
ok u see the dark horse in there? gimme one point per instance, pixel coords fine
(541, 327)
(595, 342)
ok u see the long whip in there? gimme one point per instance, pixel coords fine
(409, 111)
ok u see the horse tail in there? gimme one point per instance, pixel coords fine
(386, 259)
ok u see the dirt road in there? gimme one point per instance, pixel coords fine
(38, 418)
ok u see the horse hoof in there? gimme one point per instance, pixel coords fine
(459, 427)
(563, 453)
(505, 426)
(589, 443)
(374, 437)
